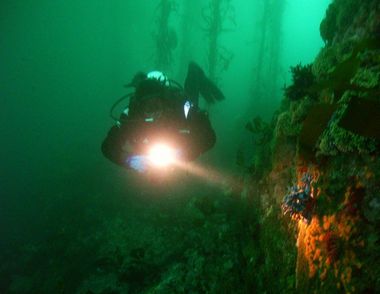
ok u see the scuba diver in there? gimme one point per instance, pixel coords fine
(162, 123)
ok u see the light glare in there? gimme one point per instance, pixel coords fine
(161, 155)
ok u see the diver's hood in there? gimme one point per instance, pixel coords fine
(153, 75)
(137, 79)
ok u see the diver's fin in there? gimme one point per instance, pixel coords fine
(197, 83)
(210, 92)
(192, 82)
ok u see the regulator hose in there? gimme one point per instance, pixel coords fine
(117, 102)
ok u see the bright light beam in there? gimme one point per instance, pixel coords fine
(162, 155)
(224, 181)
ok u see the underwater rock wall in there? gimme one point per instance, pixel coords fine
(346, 19)
(328, 127)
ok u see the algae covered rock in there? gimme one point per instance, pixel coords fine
(285, 127)
(336, 139)
(338, 18)
(367, 77)
(328, 25)
(324, 62)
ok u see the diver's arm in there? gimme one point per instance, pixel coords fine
(113, 144)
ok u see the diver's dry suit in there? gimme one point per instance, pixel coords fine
(160, 109)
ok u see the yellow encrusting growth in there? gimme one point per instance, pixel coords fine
(331, 243)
